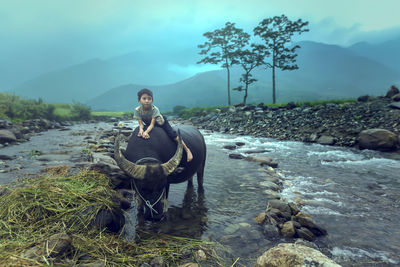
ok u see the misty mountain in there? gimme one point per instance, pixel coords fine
(326, 71)
(89, 79)
(386, 53)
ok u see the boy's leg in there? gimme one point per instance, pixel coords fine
(174, 136)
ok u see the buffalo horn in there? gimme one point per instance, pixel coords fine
(173, 163)
(133, 170)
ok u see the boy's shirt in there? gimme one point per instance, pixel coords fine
(146, 117)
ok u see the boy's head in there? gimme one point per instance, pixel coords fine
(144, 91)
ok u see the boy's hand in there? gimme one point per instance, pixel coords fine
(145, 135)
(140, 134)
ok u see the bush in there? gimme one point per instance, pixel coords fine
(80, 111)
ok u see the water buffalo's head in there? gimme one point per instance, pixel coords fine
(150, 179)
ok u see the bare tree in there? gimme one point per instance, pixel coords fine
(222, 47)
(277, 32)
(249, 60)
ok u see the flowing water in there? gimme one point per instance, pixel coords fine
(353, 194)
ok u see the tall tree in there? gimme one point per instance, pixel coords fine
(249, 60)
(277, 32)
(222, 47)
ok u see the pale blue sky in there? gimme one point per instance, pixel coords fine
(41, 35)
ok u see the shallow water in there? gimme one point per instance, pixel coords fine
(353, 194)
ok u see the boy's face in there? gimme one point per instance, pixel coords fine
(146, 101)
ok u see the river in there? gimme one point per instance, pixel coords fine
(353, 194)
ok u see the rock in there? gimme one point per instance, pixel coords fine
(304, 233)
(58, 244)
(290, 255)
(6, 157)
(240, 143)
(158, 262)
(363, 98)
(326, 140)
(263, 161)
(231, 229)
(378, 139)
(396, 97)
(4, 124)
(7, 136)
(271, 231)
(260, 218)
(310, 224)
(200, 255)
(254, 151)
(288, 229)
(272, 194)
(270, 185)
(293, 208)
(393, 90)
(395, 105)
(236, 156)
(280, 205)
(230, 147)
(278, 216)
(290, 105)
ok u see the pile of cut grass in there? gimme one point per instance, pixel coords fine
(37, 208)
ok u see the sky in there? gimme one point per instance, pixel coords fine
(38, 36)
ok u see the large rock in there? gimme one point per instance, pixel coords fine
(263, 161)
(290, 255)
(396, 97)
(395, 105)
(7, 136)
(393, 90)
(378, 139)
(326, 140)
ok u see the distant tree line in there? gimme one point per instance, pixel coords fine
(15, 108)
(230, 46)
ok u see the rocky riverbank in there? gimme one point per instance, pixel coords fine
(328, 124)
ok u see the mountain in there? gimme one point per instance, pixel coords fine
(84, 81)
(325, 71)
(386, 53)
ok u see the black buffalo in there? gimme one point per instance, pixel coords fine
(157, 162)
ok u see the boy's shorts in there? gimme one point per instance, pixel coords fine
(160, 120)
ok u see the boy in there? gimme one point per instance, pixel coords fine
(149, 114)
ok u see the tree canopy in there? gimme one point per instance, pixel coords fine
(222, 48)
(277, 33)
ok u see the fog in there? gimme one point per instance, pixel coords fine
(43, 35)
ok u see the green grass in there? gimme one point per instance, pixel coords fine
(322, 102)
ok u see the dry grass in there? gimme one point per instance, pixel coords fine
(37, 208)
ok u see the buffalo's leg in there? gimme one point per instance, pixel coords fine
(200, 174)
(190, 182)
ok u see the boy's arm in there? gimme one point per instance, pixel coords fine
(151, 126)
(141, 125)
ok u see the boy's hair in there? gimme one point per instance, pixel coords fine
(144, 91)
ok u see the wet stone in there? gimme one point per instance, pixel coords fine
(230, 147)
(236, 156)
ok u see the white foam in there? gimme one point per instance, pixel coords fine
(368, 163)
(357, 253)
(329, 201)
(321, 211)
